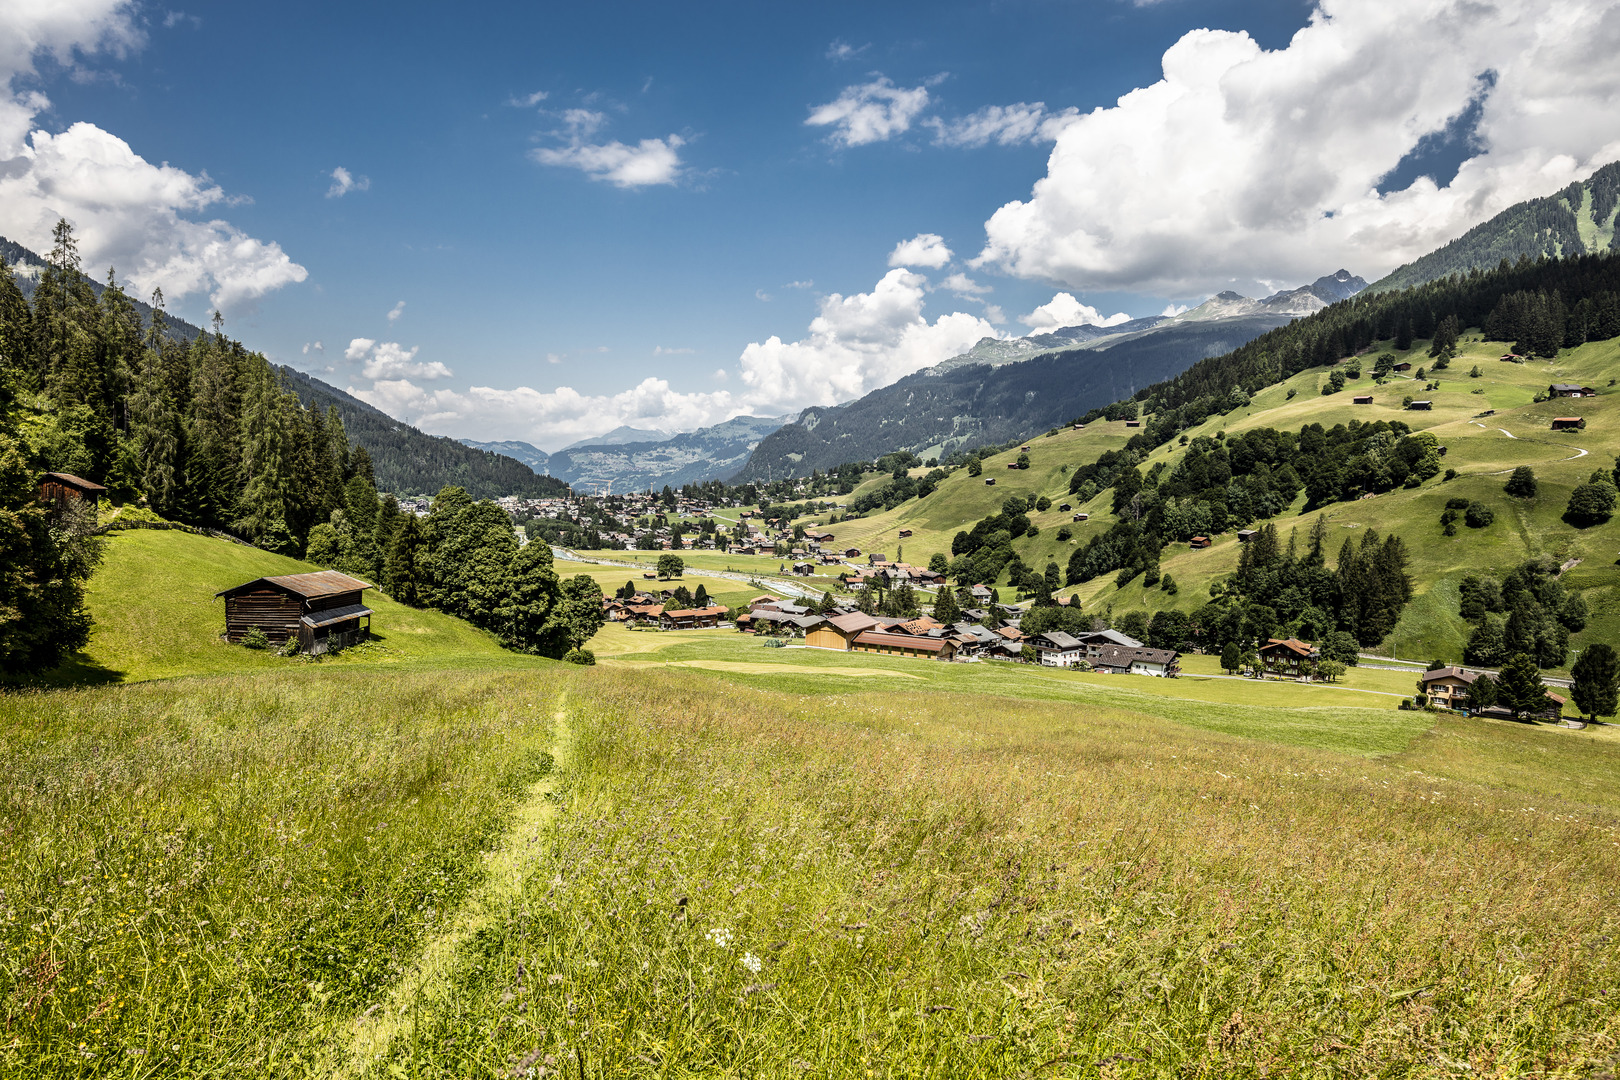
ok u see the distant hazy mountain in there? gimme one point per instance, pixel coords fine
(635, 464)
(1008, 388)
(1579, 220)
(621, 435)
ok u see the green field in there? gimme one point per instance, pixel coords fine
(1476, 447)
(431, 858)
(156, 616)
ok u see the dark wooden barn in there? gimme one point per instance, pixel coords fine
(58, 487)
(322, 610)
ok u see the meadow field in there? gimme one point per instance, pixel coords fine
(653, 869)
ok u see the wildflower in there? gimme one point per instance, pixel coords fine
(751, 962)
(720, 936)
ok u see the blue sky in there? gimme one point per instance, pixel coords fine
(627, 201)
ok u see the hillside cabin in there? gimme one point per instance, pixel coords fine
(1065, 507)
(989, 481)
(1570, 390)
(1447, 687)
(1023, 449)
(919, 648)
(1421, 406)
(852, 553)
(875, 558)
(1288, 656)
(904, 533)
(1511, 358)
(1361, 399)
(1245, 535)
(1077, 427)
(1404, 365)
(1012, 465)
(1133, 423)
(59, 487)
(1568, 423)
(323, 610)
(1082, 517)
(691, 618)
(840, 631)
(1199, 542)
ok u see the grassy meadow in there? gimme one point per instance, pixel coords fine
(645, 869)
(1483, 450)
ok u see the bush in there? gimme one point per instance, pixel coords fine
(1457, 503)
(583, 657)
(1043, 504)
(1522, 484)
(1475, 372)
(1064, 533)
(1590, 504)
(255, 639)
(1451, 474)
(1479, 515)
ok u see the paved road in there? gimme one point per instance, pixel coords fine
(792, 588)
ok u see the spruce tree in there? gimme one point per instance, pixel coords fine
(399, 576)
(1520, 687)
(1522, 484)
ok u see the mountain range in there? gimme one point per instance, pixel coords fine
(613, 462)
(1008, 388)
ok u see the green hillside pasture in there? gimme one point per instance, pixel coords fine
(944, 885)
(156, 615)
(1358, 717)
(612, 578)
(204, 877)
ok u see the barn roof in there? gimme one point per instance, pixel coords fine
(308, 586)
(335, 615)
(74, 481)
(899, 641)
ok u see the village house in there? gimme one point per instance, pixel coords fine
(839, 631)
(1570, 390)
(1447, 687)
(691, 618)
(1058, 649)
(1121, 660)
(885, 644)
(1404, 365)
(321, 610)
(1288, 657)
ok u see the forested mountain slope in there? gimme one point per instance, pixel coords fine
(410, 462)
(1575, 221)
(27, 267)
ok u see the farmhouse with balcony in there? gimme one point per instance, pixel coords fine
(1288, 656)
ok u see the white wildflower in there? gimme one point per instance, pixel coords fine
(751, 962)
(720, 936)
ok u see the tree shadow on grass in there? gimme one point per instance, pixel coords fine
(77, 670)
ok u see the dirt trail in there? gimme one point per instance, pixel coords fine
(366, 1039)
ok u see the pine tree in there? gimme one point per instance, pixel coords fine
(1520, 685)
(399, 577)
(1522, 484)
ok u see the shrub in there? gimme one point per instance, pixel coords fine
(1590, 504)
(1522, 484)
(255, 639)
(580, 656)
(1064, 533)
(1479, 515)
(1475, 372)
(1043, 504)
(1451, 474)
(1456, 503)
(1168, 584)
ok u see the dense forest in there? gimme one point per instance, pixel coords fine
(205, 433)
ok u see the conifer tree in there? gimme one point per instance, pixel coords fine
(1595, 681)
(399, 577)
(1520, 687)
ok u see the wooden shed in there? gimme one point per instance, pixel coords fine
(59, 487)
(322, 610)
(1568, 423)
(1361, 399)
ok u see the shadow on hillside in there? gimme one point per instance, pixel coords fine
(77, 670)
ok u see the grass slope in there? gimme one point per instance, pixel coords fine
(156, 616)
(1482, 449)
(239, 876)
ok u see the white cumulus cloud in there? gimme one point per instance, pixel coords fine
(856, 344)
(396, 311)
(387, 360)
(344, 182)
(358, 348)
(1242, 163)
(648, 162)
(927, 250)
(1064, 310)
(126, 212)
(871, 112)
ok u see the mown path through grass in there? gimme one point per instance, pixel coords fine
(428, 982)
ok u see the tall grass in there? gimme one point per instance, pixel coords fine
(201, 877)
(887, 884)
